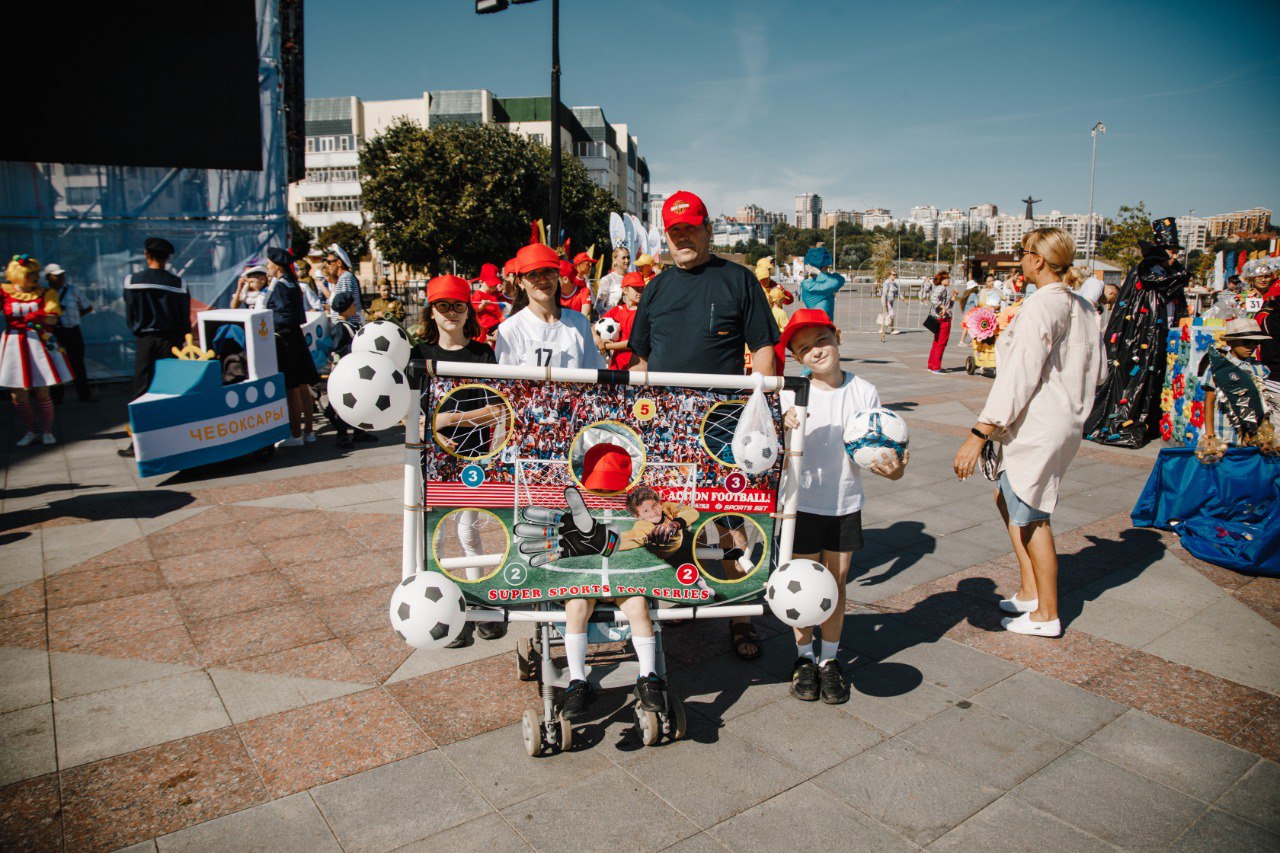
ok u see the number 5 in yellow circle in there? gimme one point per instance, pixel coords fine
(644, 409)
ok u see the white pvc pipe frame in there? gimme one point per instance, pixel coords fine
(412, 555)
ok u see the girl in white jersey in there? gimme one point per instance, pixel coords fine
(539, 334)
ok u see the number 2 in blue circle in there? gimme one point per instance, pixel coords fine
(472, 476)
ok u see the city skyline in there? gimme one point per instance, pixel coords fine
(932, 103)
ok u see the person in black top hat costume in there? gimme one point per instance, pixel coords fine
(158, 309)
(1126, 408)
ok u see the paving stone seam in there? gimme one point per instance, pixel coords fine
(1102, 755)
(1011, 795)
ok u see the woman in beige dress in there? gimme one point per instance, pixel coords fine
(1049, 361)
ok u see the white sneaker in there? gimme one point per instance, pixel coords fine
(292, 441)
(29, 438)
(1023, 625)
(309, 437)
(48, 438)
(895, 332)
(1013, 604)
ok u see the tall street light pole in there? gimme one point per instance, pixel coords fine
(1088, 227)
(487, 7)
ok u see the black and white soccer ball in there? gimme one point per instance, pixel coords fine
(607, 328)
(802, 593)
(368, 391)
(385, 337)
(755, 452)
(428, 610)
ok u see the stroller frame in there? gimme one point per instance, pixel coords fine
(534, 657)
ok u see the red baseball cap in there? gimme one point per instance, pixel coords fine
(583, 256)
(567, 270)
(536, 256)
(489, 275)
(448, 287)
(803, 319)
(606, 468)
(684, 207)
(509, 268)
(634, 279)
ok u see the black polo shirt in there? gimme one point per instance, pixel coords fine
(700, 320)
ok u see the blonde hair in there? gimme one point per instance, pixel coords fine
(1058, 250)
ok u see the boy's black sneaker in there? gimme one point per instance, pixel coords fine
(804, 680)
(577, 696)
(491, 630)
(345, 442)
(649, 693)
(834, 690)
(464, 639)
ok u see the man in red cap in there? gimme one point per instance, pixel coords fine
(539, 332)
(698, 316)
(618, 351)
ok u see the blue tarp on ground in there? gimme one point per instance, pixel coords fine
(1227, 514)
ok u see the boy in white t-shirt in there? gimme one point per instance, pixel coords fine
(829, 513)
(538, 333)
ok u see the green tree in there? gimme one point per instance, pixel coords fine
(884, 252)
(980, 243)
(467, 193)
(1132, 224)
(352, 240)
(299, 238)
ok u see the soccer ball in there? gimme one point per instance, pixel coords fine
(755, 452)
(607, 328)
(872, 433)
(383, 336)
(428, 610)
(802, 593)
(368, 391)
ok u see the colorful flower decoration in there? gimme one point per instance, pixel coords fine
(1197, 414)
(1186, 333)
(1007, 314)
(1179, 385)
(1166, 399)
(981, 323)
(1166, 428)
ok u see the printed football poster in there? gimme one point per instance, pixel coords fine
(544, 490)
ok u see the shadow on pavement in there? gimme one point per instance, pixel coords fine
(104, 506)
(902, 545)
(1102, 566)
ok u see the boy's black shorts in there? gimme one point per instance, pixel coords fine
(817, 533)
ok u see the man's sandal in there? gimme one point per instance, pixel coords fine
(742, 634)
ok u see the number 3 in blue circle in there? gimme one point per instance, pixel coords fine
(472, 476)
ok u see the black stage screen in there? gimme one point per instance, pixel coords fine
(142, 83)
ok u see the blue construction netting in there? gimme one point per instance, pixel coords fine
(92, 220)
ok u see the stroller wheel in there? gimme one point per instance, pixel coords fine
(525, 660)
(650, 730)
(531, 729)
(676, 724)
(970, 366)
(566, 735)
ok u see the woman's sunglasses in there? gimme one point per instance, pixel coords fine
(1021, 252)
(446, 307)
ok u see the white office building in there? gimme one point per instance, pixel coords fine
(337, 128)
(1193, 233)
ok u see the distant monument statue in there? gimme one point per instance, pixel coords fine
(1030, 202)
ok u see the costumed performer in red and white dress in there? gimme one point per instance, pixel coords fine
(30, 359)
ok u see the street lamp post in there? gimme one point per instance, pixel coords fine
(485, 7)
(1088, 227)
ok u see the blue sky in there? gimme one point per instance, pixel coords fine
(884, 104)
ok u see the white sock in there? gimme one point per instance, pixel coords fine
(647, 651)
(828, 651)
(806, 651)
(575, 647)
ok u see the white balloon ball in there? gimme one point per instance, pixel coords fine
(385, 337)
(428, 610)
(802, 593)
(873, 432)
(755, 453)
(368, 391)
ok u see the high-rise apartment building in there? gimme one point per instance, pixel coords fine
(829, 218)
(1255, 220)
(337, 128)
(808, 210)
